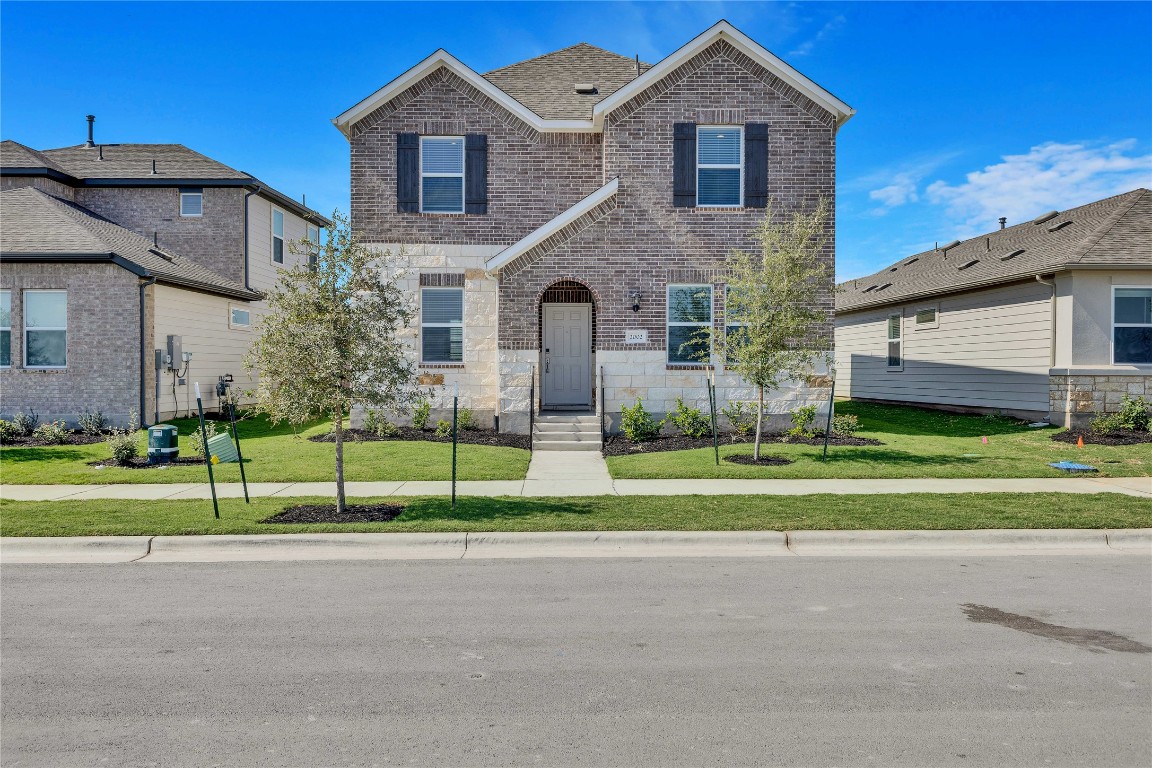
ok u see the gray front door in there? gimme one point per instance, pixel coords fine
(567, 354)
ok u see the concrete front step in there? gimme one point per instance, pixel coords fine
(551, 427)
(564, 418)
(567, 437)
(564, 445)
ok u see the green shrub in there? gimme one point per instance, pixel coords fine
(845, 424)
(1133, 416)
(371, 421)
(92, 422)
(25, 423)
(637, 424)
(465, 419)
(420, 415)
(125, 443)
(690, 421)
(196, 440)
(803, 419)
(741, 415)
(443, 428)
(52, 433)
(8, 431)
(387, 429)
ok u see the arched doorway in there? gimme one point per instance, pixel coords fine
(568, 343)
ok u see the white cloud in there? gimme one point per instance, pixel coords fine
(902, 190)
(830, 28)
(1050, 176)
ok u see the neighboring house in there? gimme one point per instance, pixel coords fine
(570, 215)
(107, 251)
(1047, 320)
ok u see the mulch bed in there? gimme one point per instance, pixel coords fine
(618, 445)
(765, 461)
(464, 437)
(141, 462)
(75, 438)
(1107, 438)
(326, 513)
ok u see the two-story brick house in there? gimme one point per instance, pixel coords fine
(567, 218)
(108, 250)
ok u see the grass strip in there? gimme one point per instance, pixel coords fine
(913, 511)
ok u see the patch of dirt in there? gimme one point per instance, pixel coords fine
(1107, 438)
(75, 438)
(464, 437)
(765, 461)
(141, 462)
(1094, 640)
(326, 513)
(618, 445)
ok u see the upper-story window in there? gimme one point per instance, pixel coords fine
(1132, 326)
(191, 202)
(5, 329)
(45, 329)
(719, 166)
(277, 236)
(314, 240)
(442, 174)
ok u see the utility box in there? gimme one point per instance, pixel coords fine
(222, 449)
(175, 352)
(163, 444)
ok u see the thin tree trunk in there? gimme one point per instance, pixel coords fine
(759, 423)
(339, 423)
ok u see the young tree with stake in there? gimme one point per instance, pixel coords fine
(332, 338)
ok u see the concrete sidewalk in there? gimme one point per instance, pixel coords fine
(588, 483)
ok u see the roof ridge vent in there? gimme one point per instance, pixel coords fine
(869, 288)
(1046, 217)
(586, 88)
(912, 260)
(1012, 254)
(947, 246)
(967, 264)
(160, 253)
(1060, 226)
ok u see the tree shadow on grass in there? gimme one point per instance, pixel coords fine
(481, 509)
(42, 453)
(909, 420)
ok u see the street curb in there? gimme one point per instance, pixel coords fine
(568, 544)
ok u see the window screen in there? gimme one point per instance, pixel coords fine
(442, 325)
(719, 155)
(442, 174)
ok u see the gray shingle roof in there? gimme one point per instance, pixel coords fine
(134, 161)
(546, 84)
(1116, 231)
(37, 224)
(13, 154)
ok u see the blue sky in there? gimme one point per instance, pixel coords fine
(966, 111)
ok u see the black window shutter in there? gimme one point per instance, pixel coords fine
(475, 173)
(408, 172)
(684, 165)
(755, 165)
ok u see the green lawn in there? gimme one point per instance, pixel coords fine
(272, 454)
(597, 513)
(917, 443)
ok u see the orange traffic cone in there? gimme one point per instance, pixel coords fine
(1080, 441)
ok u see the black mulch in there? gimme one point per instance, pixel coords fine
(1107, 438)
(765, 461)
(141, 462)
(75, 438)
(326, 513)
(464, 436)
(618, 445)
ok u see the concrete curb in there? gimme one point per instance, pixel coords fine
(568, 544)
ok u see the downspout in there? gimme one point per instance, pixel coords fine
(1052, 322)
(255, 191)
(144, 355)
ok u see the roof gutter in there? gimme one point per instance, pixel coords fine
(144, 354)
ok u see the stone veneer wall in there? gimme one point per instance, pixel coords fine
(1075, 399)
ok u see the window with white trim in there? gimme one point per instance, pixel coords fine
(239, 318)
(895, 353)
(5, 329)
(314, 240)
(191, 202)
(45, 329)
(733, 325)
(442, 325)
(277, 236)
(689, 322)
(926, 317)
(1131, 325)
(442, 174)
(719, 166)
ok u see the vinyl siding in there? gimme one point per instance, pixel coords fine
(991, 349)
(261, 269)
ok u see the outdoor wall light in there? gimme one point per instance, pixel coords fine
(635, 296)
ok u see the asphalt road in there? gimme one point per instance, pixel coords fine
(1022, 661)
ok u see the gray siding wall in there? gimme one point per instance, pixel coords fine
(990, 350)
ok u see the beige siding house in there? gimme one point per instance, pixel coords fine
(1048, 320)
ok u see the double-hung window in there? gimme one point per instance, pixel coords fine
(735, 327)
(689, 323)
(45, 329)
(442, 325)
(442, 174)
(719, 166)
(314, 242)
(5, 329)
(1131, 326)
(895, 353)
(191, 202)
(277, 236)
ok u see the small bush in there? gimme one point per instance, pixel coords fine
(8, 431)
(386, 428)
(52, 432)
(125, 443)
(25, 423)
(92, 422)
(690, 421)
(465, 419)
(741, 415)
(1134, 416)
(845, 424)
(371, 421)
(803, 419)
(443, 428)
(637, 424)
(196, 440)
(420, 415)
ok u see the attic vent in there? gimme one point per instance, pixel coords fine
(585, 88)
(869, 288)
(886, 285)
(912, 261)
(1012, 255)
(952, 244)
(967, 264)
(893, 269)
(159, 253)
(1046, 217)
(1060, 226)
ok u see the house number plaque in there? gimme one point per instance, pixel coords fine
(636, 336)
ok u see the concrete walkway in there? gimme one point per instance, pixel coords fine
(571, 476)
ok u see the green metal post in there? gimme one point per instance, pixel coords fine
(207, 454)
(828, 425)
(455, 404)
(712, 409)
(239, 453)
